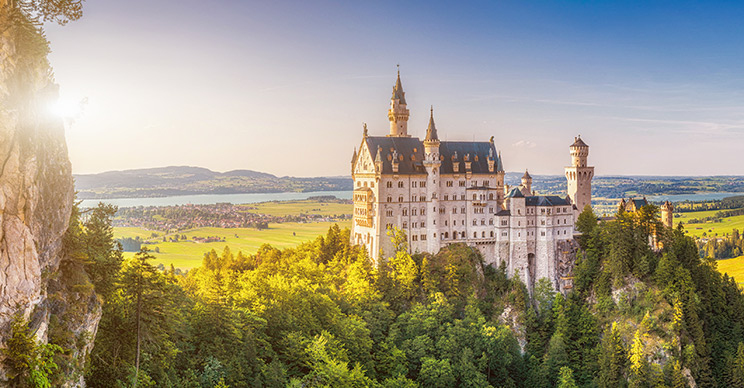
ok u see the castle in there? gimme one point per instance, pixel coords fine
(445, 192)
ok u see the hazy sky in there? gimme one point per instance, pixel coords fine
(283, 87)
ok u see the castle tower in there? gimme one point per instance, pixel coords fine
(667, 214)
(398, 113)
(526, 183)
(432, 164)
(579, 176)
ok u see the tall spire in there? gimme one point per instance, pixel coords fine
(398, 92)
(398, 113)
(431, 131)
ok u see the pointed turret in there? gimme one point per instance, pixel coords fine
(526, 183)
(378, 160)
(398, 92)
(398, 113)
(431, 131)
(353, 160)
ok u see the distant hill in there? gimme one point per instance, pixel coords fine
(187, 180)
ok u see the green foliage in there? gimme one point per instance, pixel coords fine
(28, 362)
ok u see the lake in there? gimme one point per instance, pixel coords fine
(207, 199)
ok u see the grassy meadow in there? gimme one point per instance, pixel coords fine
(733, 267)
(186, 254)
(711, 229)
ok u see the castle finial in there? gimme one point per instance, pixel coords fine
(365, 130)
(431, 131)
(491, 140)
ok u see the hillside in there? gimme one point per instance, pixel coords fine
(186, 180)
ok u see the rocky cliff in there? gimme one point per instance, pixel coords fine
(36, 194)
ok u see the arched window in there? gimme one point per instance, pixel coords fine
(400, 199)
(492, 233)
(389, 185)
(405, 212)
(475, 234)
(446, 234)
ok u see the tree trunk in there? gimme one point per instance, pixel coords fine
(139, 310)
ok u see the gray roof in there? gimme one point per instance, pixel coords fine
(578, 142)
(546, 200)
(411, 151)
(503, 213)
(515, 193)
(526, 175)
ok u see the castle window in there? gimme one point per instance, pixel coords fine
(389, 213)
(414, 184)
(400, 199)
(492, 233)
(454, 235)
(390, 199)
(423, 224)
(542, 222)
(483, 234)
(462, 197)
(475, 222)
(483, 222)
(462, 210)
(405, 212)
(503, 234)
(413, 198)
(462, 234)
(486, 183)
(423, 237)
(446, 234)
(449, 183)
(473, 183)
(446, 222)
(542, 233)
(441, 210)
(454, 210)
(413, 211)
(359, 184)
(446, 197)
(490, 197)
(389, 185)
(490, 221)
(422, 184)
(400, 184)
(474, 197)
(414, 237)
(462, 183)
(405, 224)
(422, 198)
(490, 210)
(423, 211)
(475, 234)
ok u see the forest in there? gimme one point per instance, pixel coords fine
(325, 315)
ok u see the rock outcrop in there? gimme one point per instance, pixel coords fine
(36, 188)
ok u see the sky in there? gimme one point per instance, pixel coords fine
(655, 88)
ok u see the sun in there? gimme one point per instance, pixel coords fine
(68, 109)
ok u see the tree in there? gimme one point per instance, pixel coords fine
(143, 288)
(566, 379)
(612, 359)
(104, 254)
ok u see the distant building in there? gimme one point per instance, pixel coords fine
(633, 205)
(444, 192)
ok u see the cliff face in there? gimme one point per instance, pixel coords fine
(36, 187)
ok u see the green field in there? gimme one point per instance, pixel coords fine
(188, 254)
(733, 267)
(726, 226)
